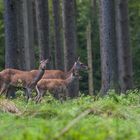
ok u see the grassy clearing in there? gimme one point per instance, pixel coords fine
(113, 117)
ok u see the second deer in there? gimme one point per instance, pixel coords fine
(55, 86)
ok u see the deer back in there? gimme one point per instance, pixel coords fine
(21, 79)
(51, 74)
(54, 74)
(7, 74)
(50, 84)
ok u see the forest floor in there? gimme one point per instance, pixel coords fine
(85, 118)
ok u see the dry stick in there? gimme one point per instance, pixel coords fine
(73, 122)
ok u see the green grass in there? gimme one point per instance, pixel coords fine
(112, 118)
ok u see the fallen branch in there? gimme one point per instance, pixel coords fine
(73, 122)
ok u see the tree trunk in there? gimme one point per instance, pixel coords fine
(28, 35)
(42, 16)
(20, 35)
(123, 44)
(57, 35)
(35, 25)
(89, 55)
(95, 42)
(70, 42)
(10, 34)
(108, 46)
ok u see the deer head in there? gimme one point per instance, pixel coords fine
(43, 63)
(79, 65)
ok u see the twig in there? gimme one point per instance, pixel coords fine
(72, 123)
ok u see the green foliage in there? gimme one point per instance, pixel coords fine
(86, 13)
(113, 117)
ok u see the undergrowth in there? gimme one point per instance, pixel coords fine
(114, 117)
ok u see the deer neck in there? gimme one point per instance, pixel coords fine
(68, 74)
(70, 80)
(37, 78)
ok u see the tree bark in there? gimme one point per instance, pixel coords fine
(28, 35)
(35, 25)
(20, 35)
(70, 42)
(89, 56)
(10, 34)
(95, 43)
(123, 44)
(108, 46)
(42, 16)
(57, 35)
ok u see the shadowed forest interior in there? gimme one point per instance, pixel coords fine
(46, 29)
(77, 52)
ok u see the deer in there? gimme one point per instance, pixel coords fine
(55, 86)
(24, 79)
(5, 77)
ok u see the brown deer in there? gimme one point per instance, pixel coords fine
(55, 86)
(58, 74)
(5, 78)
(25, 79)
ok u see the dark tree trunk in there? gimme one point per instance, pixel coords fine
(108, 46)
(70, 42)
(28, 35)
(10, 34)
(123, 44)
(57, 35)
(35, 24)
(11, 52)
(20, 35)
(42, 16)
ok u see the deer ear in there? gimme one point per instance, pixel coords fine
(41, 61)
(78, 59)
(46, 61)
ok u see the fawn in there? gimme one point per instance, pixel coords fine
(55, 86)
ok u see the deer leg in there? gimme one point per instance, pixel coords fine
(66, 94)
(25, 92)
(61, 97)
(38, 94)
(41, 95)
(4, 89)
(10, 93)
(29, 90)
(7, 95)
(56, 93)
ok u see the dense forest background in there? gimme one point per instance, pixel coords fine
(85, 12)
